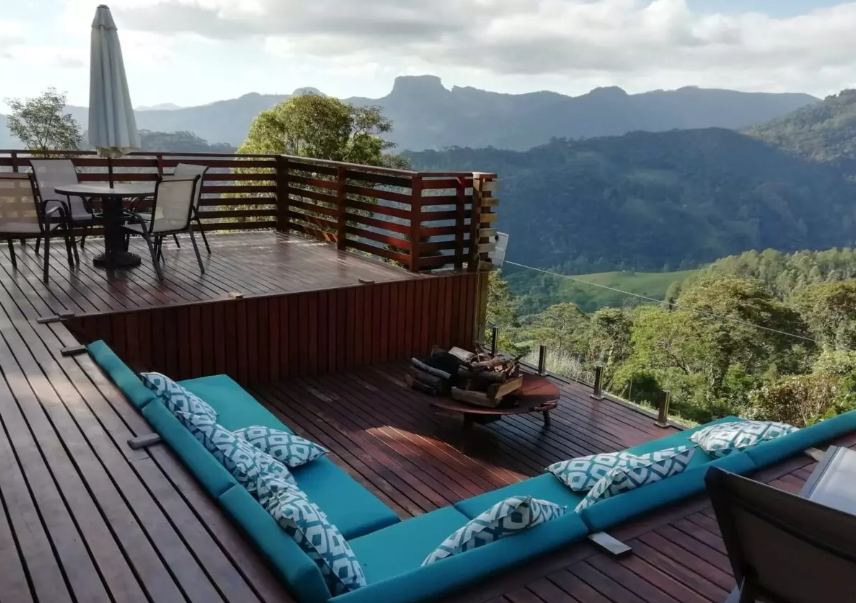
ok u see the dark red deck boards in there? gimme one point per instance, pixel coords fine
(83, 517)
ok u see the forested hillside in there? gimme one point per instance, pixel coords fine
(765, 335)
(655, 201)
(823, 131)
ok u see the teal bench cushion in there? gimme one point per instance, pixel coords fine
(123, 377)
(435, 580)
(777, 450)
(208, 470)
(235, 407)
(403, 547)
(298, 571)
(611, 512)
(348, 505)
(545, 487)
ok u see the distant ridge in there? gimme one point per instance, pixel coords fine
(427, 115)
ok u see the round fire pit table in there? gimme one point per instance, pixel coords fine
(537, 394)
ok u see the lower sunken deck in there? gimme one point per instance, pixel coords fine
(84, 518)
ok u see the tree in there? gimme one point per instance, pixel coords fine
(323, 127)
(502, 314)
(42, 124)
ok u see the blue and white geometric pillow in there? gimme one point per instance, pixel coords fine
(723, 439)
(661, 465)
(176, 398)
(509, 517)
(581, 474)
(319, 539)
(251, 467)
(287, 448)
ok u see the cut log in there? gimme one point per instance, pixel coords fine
(462, 354)
(477, 398)
(421, 387)
(439, 384)
(430, 369)
(498, 391)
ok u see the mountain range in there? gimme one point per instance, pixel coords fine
(426, 115)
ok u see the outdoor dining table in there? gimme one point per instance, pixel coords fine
(112, 197)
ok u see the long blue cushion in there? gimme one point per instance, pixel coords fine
(774, 451)
(295, 567)
(348, 505)
(404, 546)
(208, 470)
(448, 575)
(235, 407)
(544, 487)
(608, 513)
(120, 374)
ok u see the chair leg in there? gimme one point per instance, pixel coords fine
(154, 256)
(175, 238)
(12, 253)
(159, 247)
(196, 249)
(47, 236)
(71, 245)
(38, 244)
(202, 232)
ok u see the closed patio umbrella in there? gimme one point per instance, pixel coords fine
(112, 126)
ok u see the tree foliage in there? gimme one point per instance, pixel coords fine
(43, 124)
(323, 127)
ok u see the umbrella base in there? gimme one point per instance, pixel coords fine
(119, 259)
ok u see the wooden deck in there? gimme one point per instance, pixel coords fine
(256, 263)
(85, 518)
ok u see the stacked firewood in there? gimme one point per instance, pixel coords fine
(479, 377)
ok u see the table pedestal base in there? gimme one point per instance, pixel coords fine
(117, 259)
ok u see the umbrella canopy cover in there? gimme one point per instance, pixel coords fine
(112, 125)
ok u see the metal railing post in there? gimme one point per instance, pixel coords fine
(493, 340)
(663, 411)
(542, 360)
(598, 383)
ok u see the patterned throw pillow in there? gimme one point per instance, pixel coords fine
(581, 474)
(509, 517)
(660, 465)
(723, 439)
(319, 539)
(252, 468)
(176, 398)
(287, 448)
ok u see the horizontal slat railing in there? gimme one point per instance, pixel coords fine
(423, 221)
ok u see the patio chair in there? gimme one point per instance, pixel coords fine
(783, 548)
(23, 215)
(171, 211)
(190, 170)
(51, 173)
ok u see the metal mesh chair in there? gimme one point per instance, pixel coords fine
(170, 214)
(51, 173)
(23, 214)
(783, 548)
(190, 170)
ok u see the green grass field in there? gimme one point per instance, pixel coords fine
(649, 284)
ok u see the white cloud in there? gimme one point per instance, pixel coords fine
(659, 43)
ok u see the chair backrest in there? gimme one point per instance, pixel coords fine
(19, 213)
(189, 170)
(173, 203)
(51, 173)
(783, 548)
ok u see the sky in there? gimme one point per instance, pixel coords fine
(191, 52)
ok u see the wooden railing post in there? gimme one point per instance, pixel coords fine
(415, 221)
(663, 410)
(14, 161)
(597, 394)
(483, 187)
(460, 223)
(342, 209)
(282, 212)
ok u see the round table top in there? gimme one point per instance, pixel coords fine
(105, 190)
(535, 393)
